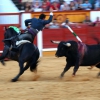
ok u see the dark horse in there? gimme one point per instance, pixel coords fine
(27, 52)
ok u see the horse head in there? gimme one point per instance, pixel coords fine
(10, 36)
(10, 32)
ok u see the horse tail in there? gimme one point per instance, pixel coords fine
(33, 66)
(34, 60)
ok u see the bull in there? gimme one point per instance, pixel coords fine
(78, 54)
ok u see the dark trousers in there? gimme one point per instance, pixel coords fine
(29, 34)
(26, 36)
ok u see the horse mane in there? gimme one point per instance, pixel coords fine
(9, 33)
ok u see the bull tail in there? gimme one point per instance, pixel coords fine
(96, 38)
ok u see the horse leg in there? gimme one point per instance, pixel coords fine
(4, 54)
(21, 65)
(26, 66)
(2, 62)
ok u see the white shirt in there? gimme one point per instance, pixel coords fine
(54, 0)
(68, 1)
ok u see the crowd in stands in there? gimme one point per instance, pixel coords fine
(59, 5)
(63, 5)
(87, 22)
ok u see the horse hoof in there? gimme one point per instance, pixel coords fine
(61, 76)
(13, 80)
(73, 75)
(3, 63)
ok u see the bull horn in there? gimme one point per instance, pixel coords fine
(56, 42)
(68, 44)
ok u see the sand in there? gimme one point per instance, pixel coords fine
(46, 84)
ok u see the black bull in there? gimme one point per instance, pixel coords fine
(78, 54)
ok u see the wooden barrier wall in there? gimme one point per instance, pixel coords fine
(74, 16)
(63, 34)
(2, 31)
(8, 21)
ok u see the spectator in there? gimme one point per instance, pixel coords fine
(97, 22)
(40, 1)
(72, 5)
(45, 5)
(68, 1)
(22, 6)
(72, 24)
(79, 5)
(86, 5)
(87, 21)
(36, 6)
(97, 5)
(92, 3)
(67, 22)
(54, 24)
(64, 6)
(54, 1)
(28, 7)
(20, 1)
(55, 6)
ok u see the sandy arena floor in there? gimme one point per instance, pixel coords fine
(46, 84)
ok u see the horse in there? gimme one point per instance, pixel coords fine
(27, 52)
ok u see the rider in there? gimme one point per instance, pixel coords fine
(34, 25)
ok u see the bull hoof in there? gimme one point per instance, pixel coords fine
(98, 75)
(13, 80)
(61, 76)
(90, 67)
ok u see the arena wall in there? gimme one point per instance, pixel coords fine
(83, 31)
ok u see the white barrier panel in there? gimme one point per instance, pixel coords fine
(1, 51)
(94, 15)
(50, 49)
(40, 42)
(23, 18)
(9, 19)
